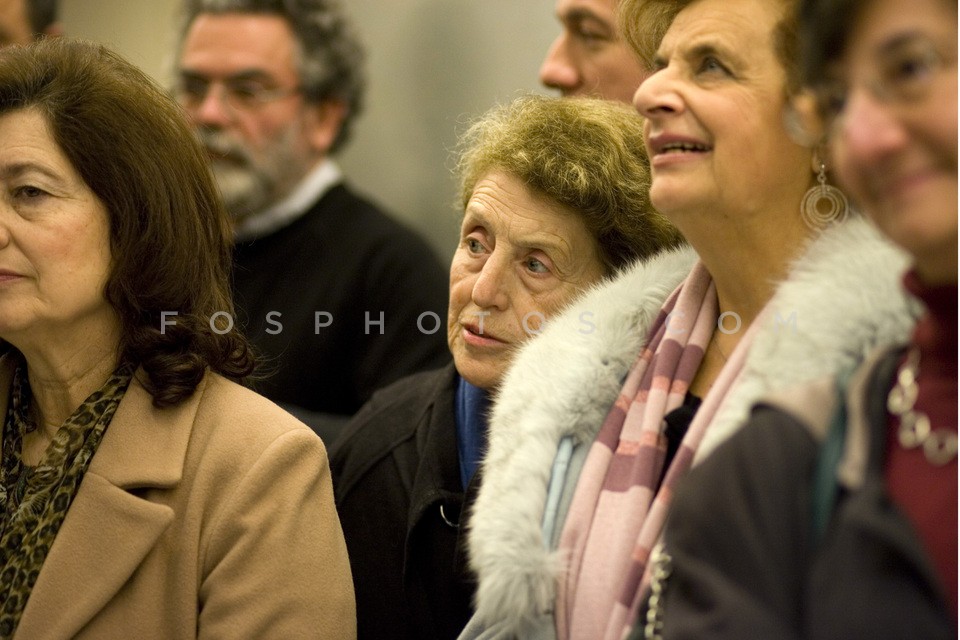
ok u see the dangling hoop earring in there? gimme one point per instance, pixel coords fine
(823, 204)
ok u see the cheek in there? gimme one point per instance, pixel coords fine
(86, 247)
(533, 311)
(459, 298)
(556, 301)
(259, 136)
(845, 169)
(460, 283)
(550, 303)
(945, 138)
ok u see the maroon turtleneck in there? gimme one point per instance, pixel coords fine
(926, 493)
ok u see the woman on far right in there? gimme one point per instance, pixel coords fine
(833, 514)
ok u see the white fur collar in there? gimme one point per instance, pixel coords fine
(846, 298)
(846, 294)
(561, 383)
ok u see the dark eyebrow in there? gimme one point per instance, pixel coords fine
(17, 169)
(900, 40)
(698, 51)
(239, 76)
(580, 14)
(705, 49)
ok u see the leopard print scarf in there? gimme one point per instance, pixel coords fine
(35, 500)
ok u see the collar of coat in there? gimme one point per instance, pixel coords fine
(143, 448)
(842, 299)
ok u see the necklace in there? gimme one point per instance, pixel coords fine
(939, 445)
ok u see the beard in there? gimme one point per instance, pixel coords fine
(249, 184)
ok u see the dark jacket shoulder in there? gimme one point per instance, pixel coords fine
(736, 550)
(391, 417)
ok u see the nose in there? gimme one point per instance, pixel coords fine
(657, 96)
(490, 290)
(869, 130)
(557, 70)
(212, 111)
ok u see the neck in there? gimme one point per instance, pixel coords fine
(63, 373)
(747, 259)
(748, 262)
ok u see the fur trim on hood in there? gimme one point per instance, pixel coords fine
(561, 383)
(842, 299)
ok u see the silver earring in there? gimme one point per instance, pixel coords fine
(823, 204)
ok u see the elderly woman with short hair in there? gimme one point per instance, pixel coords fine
(143, 492)
(554, 199)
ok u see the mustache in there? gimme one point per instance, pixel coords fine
(222, 147)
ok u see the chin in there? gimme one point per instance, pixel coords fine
(671, 200)
(478, 374)
(919, 229)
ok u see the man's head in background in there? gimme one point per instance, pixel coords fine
(589, 57)
(22, 21)
(271, 87)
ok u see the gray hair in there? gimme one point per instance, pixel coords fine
(583, 153)
(331, 56)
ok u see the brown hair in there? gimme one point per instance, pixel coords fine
(584, 153)
(169, 233)
(645, 22)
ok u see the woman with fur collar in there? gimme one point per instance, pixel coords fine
(599, 417)
(531, 239)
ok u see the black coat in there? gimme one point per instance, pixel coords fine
(398, 492)
(348, 259)
(747, 561)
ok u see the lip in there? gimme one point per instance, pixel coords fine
(661, 156)
(901, 185)
(6, 275)
(221, 156)
(470, 331)
(216, 150)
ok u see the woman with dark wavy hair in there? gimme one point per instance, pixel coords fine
(143, 491)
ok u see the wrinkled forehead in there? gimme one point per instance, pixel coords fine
(225, 44)
(737, 24)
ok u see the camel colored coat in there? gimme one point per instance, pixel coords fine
(211, 519)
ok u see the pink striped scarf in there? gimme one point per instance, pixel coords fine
(618, 511)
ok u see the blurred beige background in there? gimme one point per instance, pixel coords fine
(432, 65)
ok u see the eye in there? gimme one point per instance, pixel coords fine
(473, 245)
(589, 36)
(28, 193)
(246, 92)
(589, 32)
(536, 266)
(711, 65)
(192, 88)
(909, 68)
